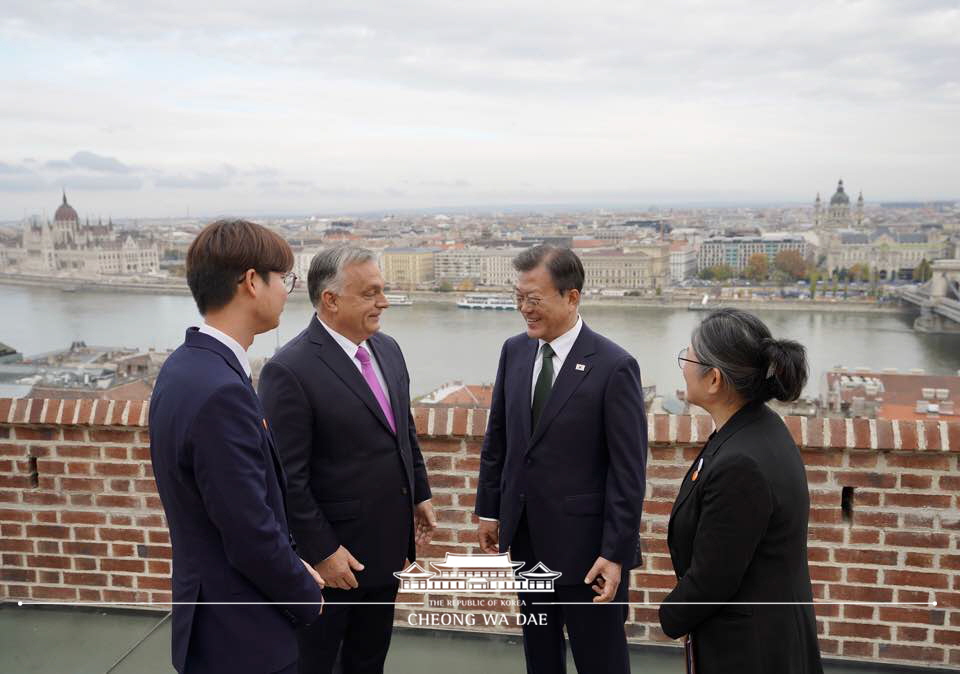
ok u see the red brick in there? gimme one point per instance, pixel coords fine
(855, 611)
(910, 653)
(97, 579)
(867, 576)
(64, 593)
(10, 515)
(861, 593)
(41, 433)
(48, 531)
(704, 427)
(85, 548)
(814, 432)
(5, 405)
(48, 561)
(884, 434)
(938, 581)
(912, 633)
(950, 483)
(81, 484)
(908, 435)
(149, 583)
(822, 458)
(79, 451)
(793, 425)
(838, 433)
(909, 481)
(953, 436)
(866, 479)
(116, 501)
(43, 498)
(661, 428)
(859, 630)
(826, 534)
(109, 435)
(909, 539)
(880, 557)
(874, 519)
(862, 459)
(932, 433)
(858, 649)
(53, 409)
(88, 594)
(864, 536)
(128, 565)
(127, 535)
(916, 500)
(919, 461)
(947, 638)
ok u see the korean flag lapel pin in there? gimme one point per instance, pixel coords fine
(580, 367)
(696, 471)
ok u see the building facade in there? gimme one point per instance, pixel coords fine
(644, 267)
(736, 251)
(408, 267)
(66, 245)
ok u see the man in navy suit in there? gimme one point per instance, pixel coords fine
(217, 471)
(338, 398)
(562, 470)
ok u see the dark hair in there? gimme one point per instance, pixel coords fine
(566, 269)
(223, 251)
(751, 362)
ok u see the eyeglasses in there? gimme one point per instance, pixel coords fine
(289, 281)
(682, 358)
(532, 300)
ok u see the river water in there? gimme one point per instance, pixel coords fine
(442, 343)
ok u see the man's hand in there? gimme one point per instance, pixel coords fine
(425, 521)
(316, 576)
(604, 576)
(488, 534)
(338, 569)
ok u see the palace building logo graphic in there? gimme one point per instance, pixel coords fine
(477, 573)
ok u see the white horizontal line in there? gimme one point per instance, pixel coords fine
(218, 603)
(743, 603)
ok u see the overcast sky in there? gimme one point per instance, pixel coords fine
(317, 107)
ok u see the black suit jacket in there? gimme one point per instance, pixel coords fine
(581, 473)
(739, 534)
(221, 485)
(351, 480)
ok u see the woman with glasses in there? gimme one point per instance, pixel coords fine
(738, 530)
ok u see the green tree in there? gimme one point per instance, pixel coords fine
(923, 272)
(860, 272)
(758, 267)
(720, 272)
(791, 263)
(814, 277)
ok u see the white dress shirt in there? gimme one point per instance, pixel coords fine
(351, 349)
(230, 343)
(561, 349)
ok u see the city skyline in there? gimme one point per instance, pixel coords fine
(296, 109)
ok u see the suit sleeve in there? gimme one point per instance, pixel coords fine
(735, 511)
(421, 484)
(494, 449)
(625, 425)
(291, 418)
(230, 468)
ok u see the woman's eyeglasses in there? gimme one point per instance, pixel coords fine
(682, 358)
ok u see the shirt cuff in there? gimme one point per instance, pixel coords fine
(488, 519)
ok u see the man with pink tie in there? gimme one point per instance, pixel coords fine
(338, 401)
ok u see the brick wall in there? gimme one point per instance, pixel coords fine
(80, 519)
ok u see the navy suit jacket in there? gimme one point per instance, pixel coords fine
(580, 474)
(222, 489)
(352, 480)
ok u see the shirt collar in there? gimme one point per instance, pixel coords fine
(230, 343)
(346, 344)
(561, 345)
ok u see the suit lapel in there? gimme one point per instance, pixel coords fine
(337, 360)
(526, 385)
(568, 379)
(741, 419)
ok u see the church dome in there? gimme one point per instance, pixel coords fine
(65, 212)
(840, 197)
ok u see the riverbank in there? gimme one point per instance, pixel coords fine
(668, 301)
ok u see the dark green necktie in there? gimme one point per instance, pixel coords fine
(541, 392)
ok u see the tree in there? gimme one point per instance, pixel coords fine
(814, 277)
(758, 266)
(791, 263)
(923, 272)
(720, 272)
(860, 272)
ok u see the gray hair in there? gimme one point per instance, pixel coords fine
(326, 269)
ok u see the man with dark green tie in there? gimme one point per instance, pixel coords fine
(562, 470)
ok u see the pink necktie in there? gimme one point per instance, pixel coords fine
(367, 368)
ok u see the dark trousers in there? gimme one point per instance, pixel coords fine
(353, 626)
(596, 631)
